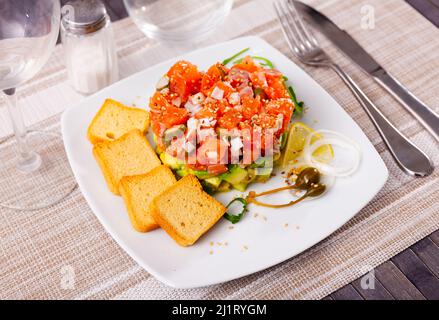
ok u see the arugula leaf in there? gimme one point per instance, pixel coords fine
(227, 61)
(235, 218)
(266, 62)
(238, 61)
(298, 111)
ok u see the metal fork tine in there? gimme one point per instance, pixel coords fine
(286, 28)
(310, 39)
(295, 33)
(298, 26)
(313, 39)
(293, 26)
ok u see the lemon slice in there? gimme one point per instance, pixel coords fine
(296, 142)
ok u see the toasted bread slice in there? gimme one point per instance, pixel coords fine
(138, 193)
(129, 155)
(185, 211)
(114, 120)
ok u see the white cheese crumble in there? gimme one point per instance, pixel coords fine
(217, 93)
(235, 98)
(197, 98)
(191, 108)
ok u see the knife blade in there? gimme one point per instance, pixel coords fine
(353, 50)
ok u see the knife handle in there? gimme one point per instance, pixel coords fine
(409, 157)
(426, 116)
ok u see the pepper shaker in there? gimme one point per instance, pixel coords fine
(87, 37)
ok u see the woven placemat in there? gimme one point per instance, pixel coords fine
(64, 252)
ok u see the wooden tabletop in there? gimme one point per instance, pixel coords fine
(413, 273)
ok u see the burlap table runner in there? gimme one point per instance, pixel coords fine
(64, 252)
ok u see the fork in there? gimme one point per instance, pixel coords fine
(305, 47)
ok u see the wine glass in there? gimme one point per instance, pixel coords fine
(34, 172)
(178, 20)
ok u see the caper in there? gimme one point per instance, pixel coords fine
(316, 190)
(307, 178)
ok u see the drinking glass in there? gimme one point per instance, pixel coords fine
(34, 172)
(178, 20)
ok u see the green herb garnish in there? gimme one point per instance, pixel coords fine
(266, 62)
(298, 111)
(227, 61)
(235, 218)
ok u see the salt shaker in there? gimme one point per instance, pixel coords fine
(87, 37)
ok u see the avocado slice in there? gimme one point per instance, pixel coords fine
(263, 174)
(262, 162)
(208, 188)
(235, 175)
(224, 186)
(182, 172)
(214, 182)
(251, 175)
(200, 174)
(240, 186)
(211, 185)
(170, 161)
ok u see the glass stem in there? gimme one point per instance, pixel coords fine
(27, 159)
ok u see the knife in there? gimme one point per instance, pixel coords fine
(340, 38)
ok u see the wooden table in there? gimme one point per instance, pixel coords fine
(412, 274)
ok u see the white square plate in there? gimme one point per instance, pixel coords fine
(253, 244)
